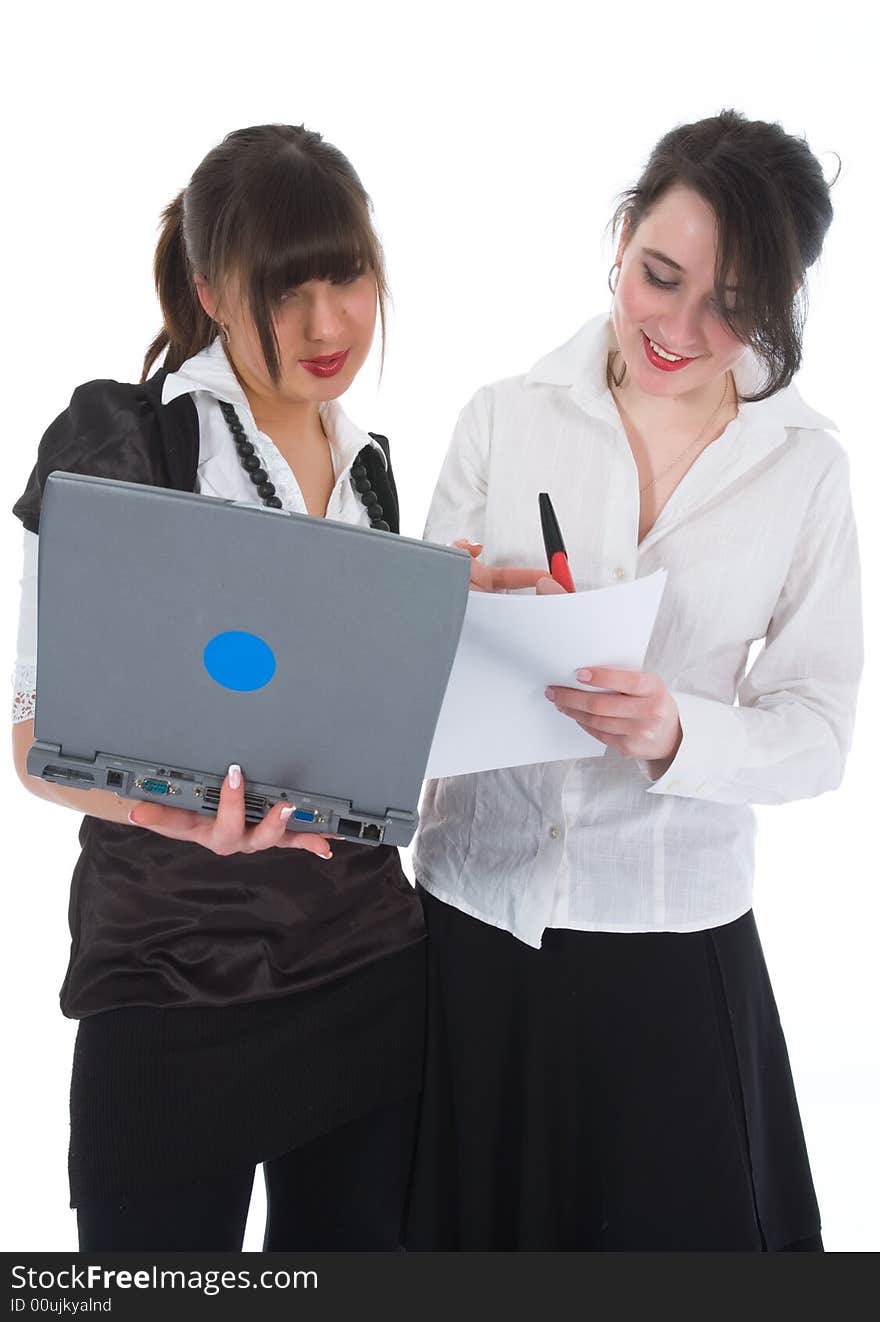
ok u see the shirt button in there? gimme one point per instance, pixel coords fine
(553, 833)
(620, 572)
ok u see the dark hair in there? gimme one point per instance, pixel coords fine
(772, 208)
(275, 205)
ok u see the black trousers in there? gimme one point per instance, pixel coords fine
(342, 1191)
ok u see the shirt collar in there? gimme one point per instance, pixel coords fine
(210, 371)
(580, 364)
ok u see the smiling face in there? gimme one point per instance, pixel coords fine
(665, 313)
(324, 332)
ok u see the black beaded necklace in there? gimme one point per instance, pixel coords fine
(266, 490)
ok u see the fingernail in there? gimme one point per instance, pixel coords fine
(551, 694)
(286, 813)
(327, 855)
(585, 676)
(131, 817)
(234, 776)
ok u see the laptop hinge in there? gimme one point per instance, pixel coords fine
(50, 762)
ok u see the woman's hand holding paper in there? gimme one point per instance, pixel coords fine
(637, 716)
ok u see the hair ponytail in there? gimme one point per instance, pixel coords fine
(187, 328)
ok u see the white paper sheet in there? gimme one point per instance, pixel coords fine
(494, 713)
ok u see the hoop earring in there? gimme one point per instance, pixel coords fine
(611, 378)
(617, 381)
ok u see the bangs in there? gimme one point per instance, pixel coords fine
(290, 226)
(305, 233)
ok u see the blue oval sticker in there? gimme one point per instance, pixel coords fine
(239, 661)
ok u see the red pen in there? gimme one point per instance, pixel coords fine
(554, 545)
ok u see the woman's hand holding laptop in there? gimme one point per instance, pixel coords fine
(227, 832)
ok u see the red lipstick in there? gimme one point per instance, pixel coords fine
(328, 365)
(662, 363)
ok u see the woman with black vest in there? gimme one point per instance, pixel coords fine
(246, 994)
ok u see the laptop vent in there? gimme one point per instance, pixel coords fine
(255, 806)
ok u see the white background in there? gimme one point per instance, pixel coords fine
(493, 141)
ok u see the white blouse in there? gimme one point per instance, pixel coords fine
(760, 544)
(208, 377)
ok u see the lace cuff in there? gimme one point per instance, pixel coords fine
(24, 693)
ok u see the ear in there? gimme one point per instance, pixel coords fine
(206, 295)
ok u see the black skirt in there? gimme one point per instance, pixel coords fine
(606, 1092)
(176, 1096)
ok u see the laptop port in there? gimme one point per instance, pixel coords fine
(372, 832)
(155, 786)
(63, 774)
(115, 779)
(255, 805)
(345, 826)
(304, 815)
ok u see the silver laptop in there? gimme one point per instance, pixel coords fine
(178, 633)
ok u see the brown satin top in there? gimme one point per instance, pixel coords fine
(164, 922)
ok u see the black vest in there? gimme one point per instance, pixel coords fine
(112, 429)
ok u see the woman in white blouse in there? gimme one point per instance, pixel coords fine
(606, 1069)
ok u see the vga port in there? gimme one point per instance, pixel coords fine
(156, 786)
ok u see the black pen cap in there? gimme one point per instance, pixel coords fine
(550, 526)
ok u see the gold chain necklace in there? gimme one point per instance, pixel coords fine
(678, 458)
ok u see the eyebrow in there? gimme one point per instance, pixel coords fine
(661, 257)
